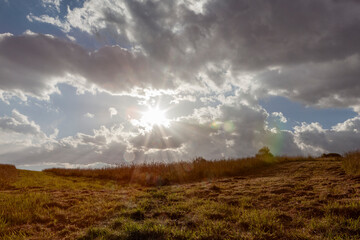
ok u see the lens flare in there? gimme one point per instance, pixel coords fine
(229, 126)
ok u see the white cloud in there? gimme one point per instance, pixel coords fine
(50, 20)
(227, 54)
(227, 131)
(19, 133)
(89, 115)
(280, 115)
(53, 4)
(341, 138)
(19, 123)
(47, 165)
(113, 111)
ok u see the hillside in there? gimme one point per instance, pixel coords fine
(290, 200)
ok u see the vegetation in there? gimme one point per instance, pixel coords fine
(351, 163)
(331, 155)
(264, 198)
(50, 207)
(159, 174)
(164, 174)
(264, 153)
(8, 174)
(293, 200)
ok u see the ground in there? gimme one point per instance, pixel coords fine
(291, 200)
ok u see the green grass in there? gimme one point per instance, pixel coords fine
(23, 208)
(195, 219)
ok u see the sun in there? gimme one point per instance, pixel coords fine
(154, 116)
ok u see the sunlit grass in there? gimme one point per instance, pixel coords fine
(351, 163)
(57, 204)
(259, 198)
(157, 174)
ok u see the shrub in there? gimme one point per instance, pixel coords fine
(351, 163)
(331, 155)
(264, 153)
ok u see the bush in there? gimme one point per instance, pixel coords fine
(264, 153)
(351, 163)
(331, 155)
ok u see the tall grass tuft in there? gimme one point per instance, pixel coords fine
(156, 174)
(351, 163)
(8, 174)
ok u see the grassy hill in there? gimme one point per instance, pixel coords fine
(287, 199)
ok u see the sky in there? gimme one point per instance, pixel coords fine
(100, 83)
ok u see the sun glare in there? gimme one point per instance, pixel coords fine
(154, 116)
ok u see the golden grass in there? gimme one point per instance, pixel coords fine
(157, 174)
(294, 200)
(39, 205)
(351, 163)
(273, 198)
(8, 174)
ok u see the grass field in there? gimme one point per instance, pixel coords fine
(179, 172)
(284, 199)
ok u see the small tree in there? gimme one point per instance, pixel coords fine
(264, 152)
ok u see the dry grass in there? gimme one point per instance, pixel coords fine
(284, 198)
(158, 174)
(292, 200)
(8, 174)
(39, 205)
(351, 163)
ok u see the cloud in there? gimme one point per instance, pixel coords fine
(19, 123)
(211, 132)
(280, 115)
(158, 138)
(227, 54)
(105, 143)
(19, 133)
(341, 138)
(225, 131)
(52, 4)
(327, 84)
(113, 111)
(47, 165)
(50, 20)
(89, 115)
(34, 64)
(307, 40)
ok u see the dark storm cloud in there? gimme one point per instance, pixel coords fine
(236, 36)
(35, 63)
(328, 84)
(251, 34)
